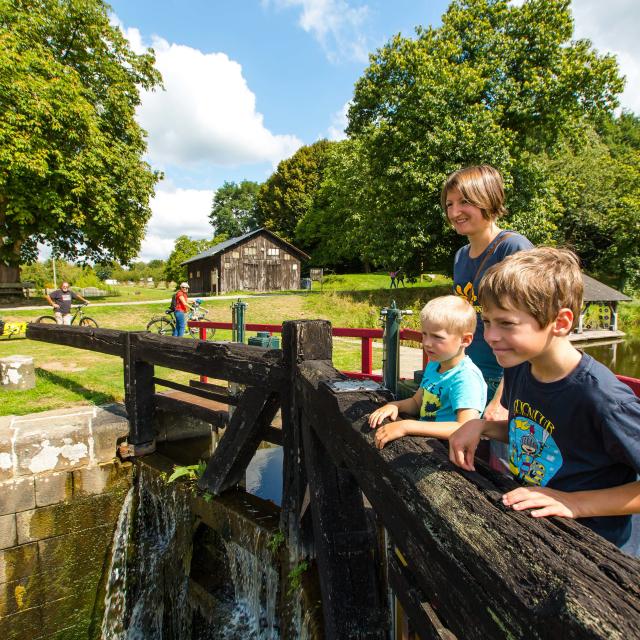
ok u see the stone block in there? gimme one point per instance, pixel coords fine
(109, 426)
(7, 531)
(22, 594)
(17, 495)
(81, 549)
(6, 447)
(113, 476)
(57, 443)
(17, 373)
(18, 562)
(22, 625)
(53, 488)
(66, 517)
(74, 610)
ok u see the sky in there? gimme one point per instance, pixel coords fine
(247, 82)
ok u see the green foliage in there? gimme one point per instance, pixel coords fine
(183, 249)
(295, 577)
(496, 83)
(190, 472)
(275, 542)
(234, 208)
(287, 196)
(71, 168)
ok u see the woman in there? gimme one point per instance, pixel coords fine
(473, 199)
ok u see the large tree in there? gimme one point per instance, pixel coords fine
(71, 169)
(183, 249)
(496, 83)
(233, 212)
(287, 196)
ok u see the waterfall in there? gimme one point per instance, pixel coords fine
(154, 592)
(146, 595)
(115, 600)
(255, 584)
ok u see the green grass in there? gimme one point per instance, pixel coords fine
(67, 376)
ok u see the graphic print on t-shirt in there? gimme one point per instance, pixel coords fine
(534, 455)
(430, 402)
(468, 294)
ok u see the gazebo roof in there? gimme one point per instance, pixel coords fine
(596, 291)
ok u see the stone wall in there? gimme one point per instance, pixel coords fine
(61, 490)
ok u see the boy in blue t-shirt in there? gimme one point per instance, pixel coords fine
(452, 390)
(573, 428)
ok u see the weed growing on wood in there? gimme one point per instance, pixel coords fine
(275, 542)
(295, 577)
(191, 472)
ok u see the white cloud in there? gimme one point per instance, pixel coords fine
(206, 114)
(176, 212)
(339, 123)
(612, 27)
(335, 24)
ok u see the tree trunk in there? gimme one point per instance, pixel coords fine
(9, 273)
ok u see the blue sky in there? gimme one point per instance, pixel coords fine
(247, 82)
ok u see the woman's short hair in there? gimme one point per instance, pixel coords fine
(482, 186)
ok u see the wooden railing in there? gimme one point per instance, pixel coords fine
(366, 336)
(459, 562)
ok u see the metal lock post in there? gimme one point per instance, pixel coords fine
(391, 317)
(238, 321)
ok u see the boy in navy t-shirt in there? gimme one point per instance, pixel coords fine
(452, 390)
(573, 428)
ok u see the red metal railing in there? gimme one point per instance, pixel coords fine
(367, 336)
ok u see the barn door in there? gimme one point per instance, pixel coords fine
(274, 276)
(250, 276)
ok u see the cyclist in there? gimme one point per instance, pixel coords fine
(182, 304)
(61, 300)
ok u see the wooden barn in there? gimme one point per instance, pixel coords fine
(257, 261)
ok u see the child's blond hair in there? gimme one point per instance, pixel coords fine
(539, 282)
(482, 186)
(452, 313)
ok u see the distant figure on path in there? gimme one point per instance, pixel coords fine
(61, 300)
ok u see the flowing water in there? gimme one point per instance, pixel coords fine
(156, 592)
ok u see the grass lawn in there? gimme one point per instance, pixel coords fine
(67, 376)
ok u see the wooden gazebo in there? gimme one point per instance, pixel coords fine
(599, 315)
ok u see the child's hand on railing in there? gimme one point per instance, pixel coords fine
(379, 415)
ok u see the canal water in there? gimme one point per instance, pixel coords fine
(622, 357)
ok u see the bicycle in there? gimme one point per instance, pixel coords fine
(82, 320)
(165, 325)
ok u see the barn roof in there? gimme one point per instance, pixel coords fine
(596, 291)
(232, 242)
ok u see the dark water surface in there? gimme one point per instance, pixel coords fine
(622, 358)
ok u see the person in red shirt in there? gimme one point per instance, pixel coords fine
(181, 307)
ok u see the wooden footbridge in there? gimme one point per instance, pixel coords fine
(401, 520)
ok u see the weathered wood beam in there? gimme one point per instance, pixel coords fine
(219, 419)
(138, 396)
(423, 618)
(227, 465)
(301, 340)
(353, 602)
(103, 340)
(488, 571)
(197, 391)
(240, 363)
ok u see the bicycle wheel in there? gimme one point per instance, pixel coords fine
(45, 320)
(88, 322)
(163, 326)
